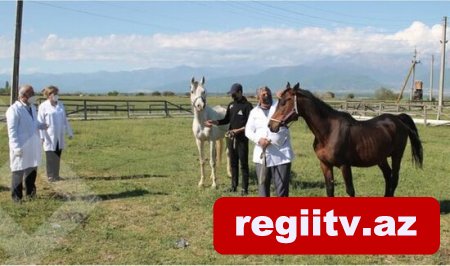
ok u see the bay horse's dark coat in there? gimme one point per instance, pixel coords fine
(342, 141)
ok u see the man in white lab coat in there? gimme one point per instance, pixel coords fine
(273, 153)
(24, 143)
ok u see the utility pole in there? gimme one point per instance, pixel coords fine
(431, 77)
(15, 75)
(414, 61)
(441, 79)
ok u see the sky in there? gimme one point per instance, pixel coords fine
(90, 36)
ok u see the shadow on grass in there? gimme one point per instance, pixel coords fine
(122, 177)
(298, 184)
(102, 197)
(445, 206)
(3, 188)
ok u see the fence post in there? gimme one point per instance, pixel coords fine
(85, 109)
(128, 109)
(380, 108)
(425, 115)
(166, 108)
(149, 108)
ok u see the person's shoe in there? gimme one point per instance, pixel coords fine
(52, 179)
(244, 192)
(16, 199)
(32, 195)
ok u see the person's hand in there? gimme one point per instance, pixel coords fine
(263, 142)
(18, 152)
(43, 126)
(209, 123)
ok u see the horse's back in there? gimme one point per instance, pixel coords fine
(216, 112)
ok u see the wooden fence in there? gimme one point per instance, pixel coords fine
(88, 109)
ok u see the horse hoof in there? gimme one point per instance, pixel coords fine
(214, 186)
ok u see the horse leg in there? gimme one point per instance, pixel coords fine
(396, 162)
(202, 161)
(228, 163)
(348, 179)
(387, 173)
(212, 161)
(329, 178)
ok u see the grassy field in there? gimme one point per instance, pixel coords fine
(130, 192)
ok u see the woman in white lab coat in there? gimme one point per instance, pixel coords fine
(24, 146)
(52, 113)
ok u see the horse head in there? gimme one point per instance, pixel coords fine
(287, 110)
(198, 94)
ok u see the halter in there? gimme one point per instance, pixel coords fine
(285, 118)
(199, 97)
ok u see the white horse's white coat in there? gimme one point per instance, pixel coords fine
(202, 134)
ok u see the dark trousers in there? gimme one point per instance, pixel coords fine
(281, 175)
(29, 175)
(238, 153)
(53, 162)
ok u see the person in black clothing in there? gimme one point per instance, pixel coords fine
(237, 115)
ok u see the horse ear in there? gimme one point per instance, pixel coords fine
(192, 80)
(297, 86)
(288, 85)
(203, 80)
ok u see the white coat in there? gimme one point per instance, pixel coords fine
(23, 133)
(56, 119)
(280, 150)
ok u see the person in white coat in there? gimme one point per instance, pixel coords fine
(273, 153)
(24, 143)
(52, 113)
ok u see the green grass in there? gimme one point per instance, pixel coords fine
(130, 192)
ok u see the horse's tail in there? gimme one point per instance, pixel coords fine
(416, 144)
(219, 150)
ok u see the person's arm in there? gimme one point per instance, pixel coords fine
(12, 120)
(226, 119)
(67, 126)
(223, 121)
(250, 129)
(41, 120)
(280, 137)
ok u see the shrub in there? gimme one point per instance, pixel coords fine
(385, 94)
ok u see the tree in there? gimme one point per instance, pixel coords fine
(385, 94)
(328, 95)
(113, 93)
(156, 93)
(350, 96)
(168, 93)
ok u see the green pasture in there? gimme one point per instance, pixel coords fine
(130, 193)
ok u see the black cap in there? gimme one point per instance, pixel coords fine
(235, 88)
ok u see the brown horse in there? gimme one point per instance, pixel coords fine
(342, 141)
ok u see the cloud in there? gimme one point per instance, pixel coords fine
(244, 47)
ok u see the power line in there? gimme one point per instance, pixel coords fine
(105, 16)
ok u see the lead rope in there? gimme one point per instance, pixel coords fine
(263, 171)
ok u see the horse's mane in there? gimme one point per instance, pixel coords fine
(323, 106)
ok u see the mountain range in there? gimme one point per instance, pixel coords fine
(338, 75)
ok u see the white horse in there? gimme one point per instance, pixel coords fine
(202, 134)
